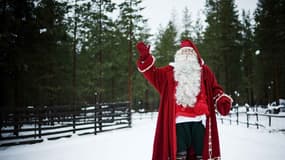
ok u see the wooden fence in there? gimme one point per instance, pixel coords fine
(31, 124)
(254, 119)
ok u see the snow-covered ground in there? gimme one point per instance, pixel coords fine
(237, 142)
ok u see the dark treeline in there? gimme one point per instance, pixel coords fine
(62, 52)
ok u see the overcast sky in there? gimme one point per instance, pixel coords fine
(159, 12)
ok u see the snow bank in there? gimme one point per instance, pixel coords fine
(237, 142)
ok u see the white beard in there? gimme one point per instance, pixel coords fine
(187, 72)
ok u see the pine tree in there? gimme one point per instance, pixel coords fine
(166, 45)
(54, 77)
(94, 30)
(131, 24)
(18, 28)
(187, 25)
(222, 43)
(35, 46)
(198, 30)
(269, 18)
(211, 44)
(248, 51)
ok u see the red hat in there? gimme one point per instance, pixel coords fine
(186, 43)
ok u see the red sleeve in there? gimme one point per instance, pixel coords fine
(222, 101)
(154, 75)
(217, 90)
(218, 94)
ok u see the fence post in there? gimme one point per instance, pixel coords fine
(257, 125)
(130, 115)
(269, 120)
(73, 118)
(35, 120)
(95, 120)
(100, 116)
(16, 121)
(85, 113)
(1, 120)
(256, 117)
(40, 122)
(100, 112)
(95, 113)
(113, 112)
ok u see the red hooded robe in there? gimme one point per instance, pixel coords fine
(164, 147)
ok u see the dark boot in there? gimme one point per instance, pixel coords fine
(194, 157)
(181, 156)
(199, 158)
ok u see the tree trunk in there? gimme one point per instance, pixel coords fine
(130, 62)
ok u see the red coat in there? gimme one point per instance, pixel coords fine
(165, 136)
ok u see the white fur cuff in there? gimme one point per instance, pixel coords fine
(220, 96)
(148, 67)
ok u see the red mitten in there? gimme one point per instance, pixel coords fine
(143, 50)
(224, 104)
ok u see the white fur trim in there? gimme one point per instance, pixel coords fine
(183, 119)
(186, 51)
(147, 68)
(203, 62)
(222, 95)
(171, 64)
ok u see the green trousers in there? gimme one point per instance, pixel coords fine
(190, 134)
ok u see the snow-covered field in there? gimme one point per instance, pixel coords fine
(237, 142)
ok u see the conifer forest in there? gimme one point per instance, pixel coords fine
(73, 52)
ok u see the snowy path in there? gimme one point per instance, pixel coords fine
(241, 143)
(237, 142)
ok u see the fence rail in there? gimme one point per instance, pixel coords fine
(256, 119)
(31, 124)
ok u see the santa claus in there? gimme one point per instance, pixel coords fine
(189, 95)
